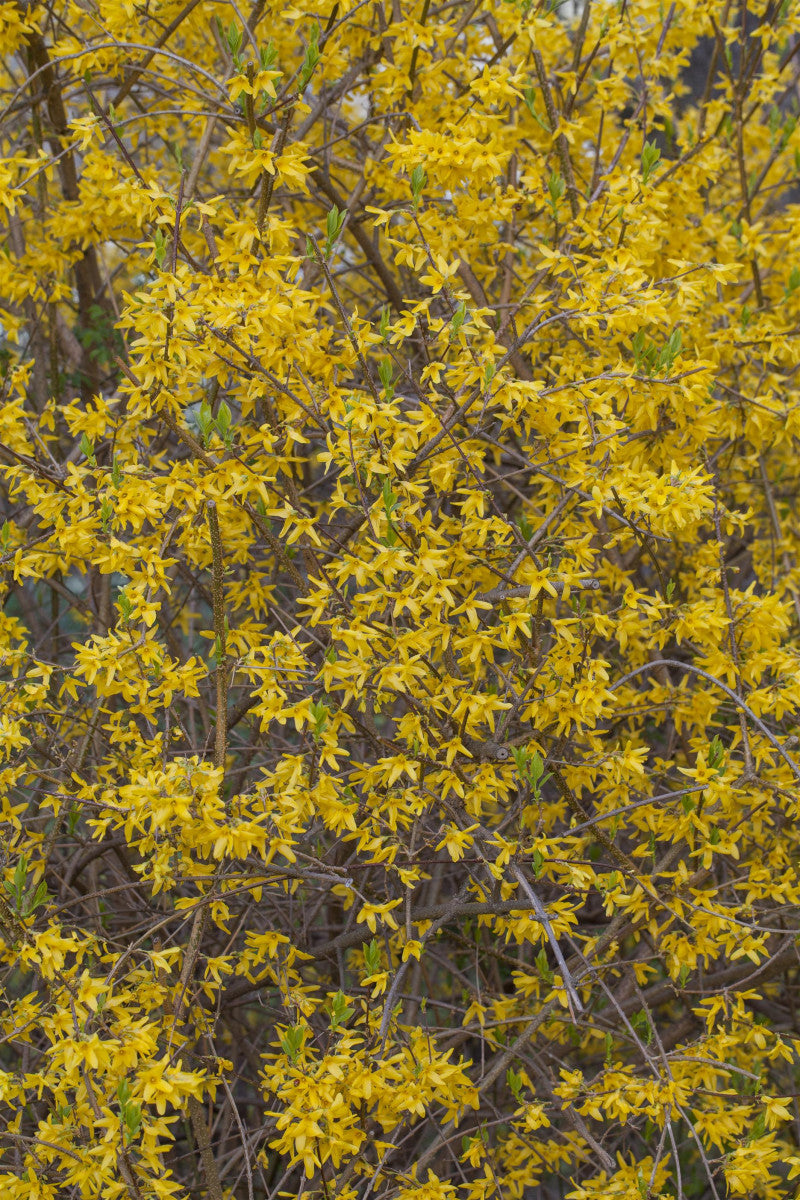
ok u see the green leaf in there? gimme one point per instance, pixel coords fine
(650, 159)
(529, 95)
(205, 421)
(292, 1042)
(234, 38)
(160, 245)
(389, 497)
(525, 528)
(418, 181)
(458, 319)
(36, 900)
(757, 1129)
(133, 1121)
(319, 714)
(223, 422)
(386, 376)
(716, 752)
(372, 957)
(311, 59)
(87, 450)
(125, 606)
(543, 966)
(341, 1011)
(555, 188)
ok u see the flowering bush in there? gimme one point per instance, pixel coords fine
(400, 638)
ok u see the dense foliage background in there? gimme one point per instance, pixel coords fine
(400, 593)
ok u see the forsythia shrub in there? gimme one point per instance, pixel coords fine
(400, 625)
